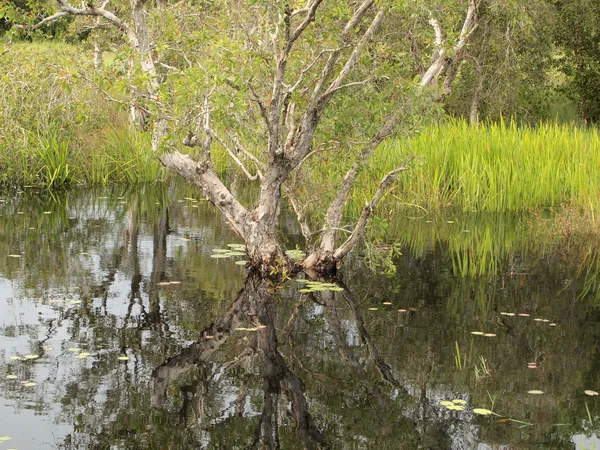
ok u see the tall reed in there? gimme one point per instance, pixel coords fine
(498, 167)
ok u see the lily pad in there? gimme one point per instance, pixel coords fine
(588, 392)
(74, 349)
(11, 377)
(459, 401)
(221, 250)
(123, 358)
(455, 408)
(30, 384)
(5, 438)
(477, 333)
(482, 411)
(32, 356)
(446, 403)
(220, 255)
(535, 392)
(241, 262)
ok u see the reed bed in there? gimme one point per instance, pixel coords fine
(495, 167)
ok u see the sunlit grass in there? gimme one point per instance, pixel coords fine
(497, 167)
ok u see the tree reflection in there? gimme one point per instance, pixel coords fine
(254, 309)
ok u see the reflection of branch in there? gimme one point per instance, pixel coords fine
(254, 304)
(384, 370)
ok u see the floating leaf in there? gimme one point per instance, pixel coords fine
(446, 403)
(482, 411)
(588, 392)
(304, 291)
(123, 358)
(489, 334)
(241, 262)
(220, 255)
(459, 401)
(455, 408)
(14, 256)
(535, 392)
(174, 282)
(11, 377)
(412, 309)
(81, 356)
(387, 303)
(523, 315)
(221, 250)
(55, 300)
(477, 333)
(74, 349)
(15, 358)
(373, 309)
(30, 384)
(402, 310)
(5, 438)
(32, 356)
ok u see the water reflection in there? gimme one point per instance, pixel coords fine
(220, 359)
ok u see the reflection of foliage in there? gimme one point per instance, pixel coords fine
(347, 356)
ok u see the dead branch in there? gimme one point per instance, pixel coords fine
(67, 8)
(50, 19)
(387, 181)
(443, 61)
(233, 156)
(334, 213)
(211, 186)
(299, 210)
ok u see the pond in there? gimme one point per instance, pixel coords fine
(122, 328)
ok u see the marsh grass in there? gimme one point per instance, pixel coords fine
(54, 154)
(497, 167)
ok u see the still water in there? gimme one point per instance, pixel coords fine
(121, 330)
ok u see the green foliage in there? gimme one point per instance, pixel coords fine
(577, 34)
(54, 153)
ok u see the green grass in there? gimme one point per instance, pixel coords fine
(497, 167)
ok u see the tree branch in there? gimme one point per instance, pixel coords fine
(299, 210)
(67, 8)
(333, 217)
(235, 158)
(211, 186)
(385, 184)
(50, 19)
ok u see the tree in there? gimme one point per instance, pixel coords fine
(283, 72)
(577, 34)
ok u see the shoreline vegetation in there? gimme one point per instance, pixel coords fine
(55, 132)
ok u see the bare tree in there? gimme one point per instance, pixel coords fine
(290, 127)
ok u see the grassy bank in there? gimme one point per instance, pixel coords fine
(496, 167)
(57, 129)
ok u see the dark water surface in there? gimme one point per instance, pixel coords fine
(187, 351)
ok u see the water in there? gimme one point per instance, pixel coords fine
(218, 359)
